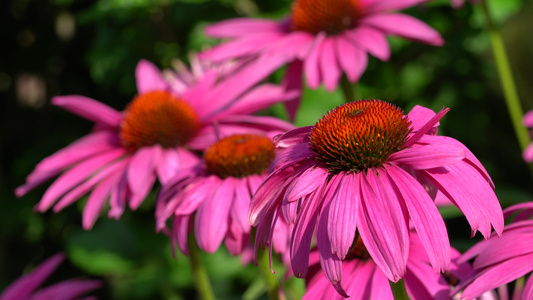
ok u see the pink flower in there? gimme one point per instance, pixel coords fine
(322, 38)
(500, 260)
(359, 169)
(459, 3)
(26, 286)
(217, 193)
(151, 139)
(528, 122)
(364, 280)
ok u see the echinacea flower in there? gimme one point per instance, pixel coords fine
(528, 122)
(151, 139)
(217, 193)
(364, 280)
(26, 287)
(500, 260)
(323, 38)
(358, 169)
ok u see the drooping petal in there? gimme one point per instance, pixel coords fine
(428, 156)
(149, 78)
(369, 39)
(239, 27)
(329, 66)
(425, 216)
(312, 63)
(293, 81)
(241, 204)
(243, 46)
(236, 240)
(387, 5)
(212, 217)
(352, 59)
(381, 286)
(89, 109)
(67, 290)
(306, 183)
(404, 26)
(119, 194)
(180, 232)
(527, 293)
(141, 175)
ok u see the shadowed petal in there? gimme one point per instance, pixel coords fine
(66, 290)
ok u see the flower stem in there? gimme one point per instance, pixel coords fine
(271, 282)
(348, 89)
(398, 290)
(201, 280)
(506, 77)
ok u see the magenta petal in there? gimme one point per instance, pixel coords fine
(381, 287)
(251, 44)
(330, 69)
(404, 26)
(343, 210)
(292, 81)
(212, 217)
(312, 63)
(67, 290)
(27, 284)
(527, 293)
(351, 58)
(500, 274)
(371, 40)
(306, 183)
(149, 78)
(239, 27)
(303, 232)
(241, 204)
(141, 175)
(89, 109)
(293, 137)
(527, 120)
(387, 244)
(385, 5)
(236, 240)
(420, 116)
(75, 176)
(119, 194)
(180, 231)
(427, 157)
(331, 264)
(527, 155)
(425, 217)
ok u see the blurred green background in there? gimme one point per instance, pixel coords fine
(91, 48)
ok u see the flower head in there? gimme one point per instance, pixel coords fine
(151, 139)
(26, 286)
(359, 169)
(217, 193)
(323, 38)
(500, 260)
(363, 279)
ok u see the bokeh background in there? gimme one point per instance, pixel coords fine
(91, 48)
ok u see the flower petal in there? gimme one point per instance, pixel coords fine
(149, 78)
(89, 109)
(385, 5)
(239, 27)
(428, 156)
(66, 290)
(312, 63)
(241, 204)
(371, 40)
(141, 175)
(330, 69)
(351, 58)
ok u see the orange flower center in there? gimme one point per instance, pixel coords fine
(359, 135)
(358, 251)
(330, 16)
(240, 156)
(157, 118)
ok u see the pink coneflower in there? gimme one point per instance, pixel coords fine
(150, 139)
(357, 169)
(528, 122)
(26, 286)
(500, 260)
(217, 193)
(322, 38)
(364, 280)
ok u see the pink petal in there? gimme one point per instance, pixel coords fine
(352, 59)
(384, 5)
(241, 204)
(420, 116)
(149, 78)
(312, 63)
(141, 174)
(426, 128)
(239, 27)
(330, 69)
(527, 155)
(292, 81)
(196, 195)
(180, 231)
(343, 209)
(527, 293)
(498, 275)
(303, 232)
(427, 157)
(527, 120)
(23, 287)
(425, 216)
(119, 194)
(387, 244)
(369, 39)
(247, 45)
(293, 137)
(236, 240)
(295, 45)
(67, 290)
(75, 176)
(306, 183)
(212, 217)
(381, 287)
(404, 26)
(89, 109)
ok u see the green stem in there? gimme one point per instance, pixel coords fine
(201, 280)
(506, 77)
(348, 89)
(398, 290)
(271, 282)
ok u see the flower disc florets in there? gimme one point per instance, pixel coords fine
(358, 251)
(359, 135)
(240, 156)
(157, 118)
(330, 16)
